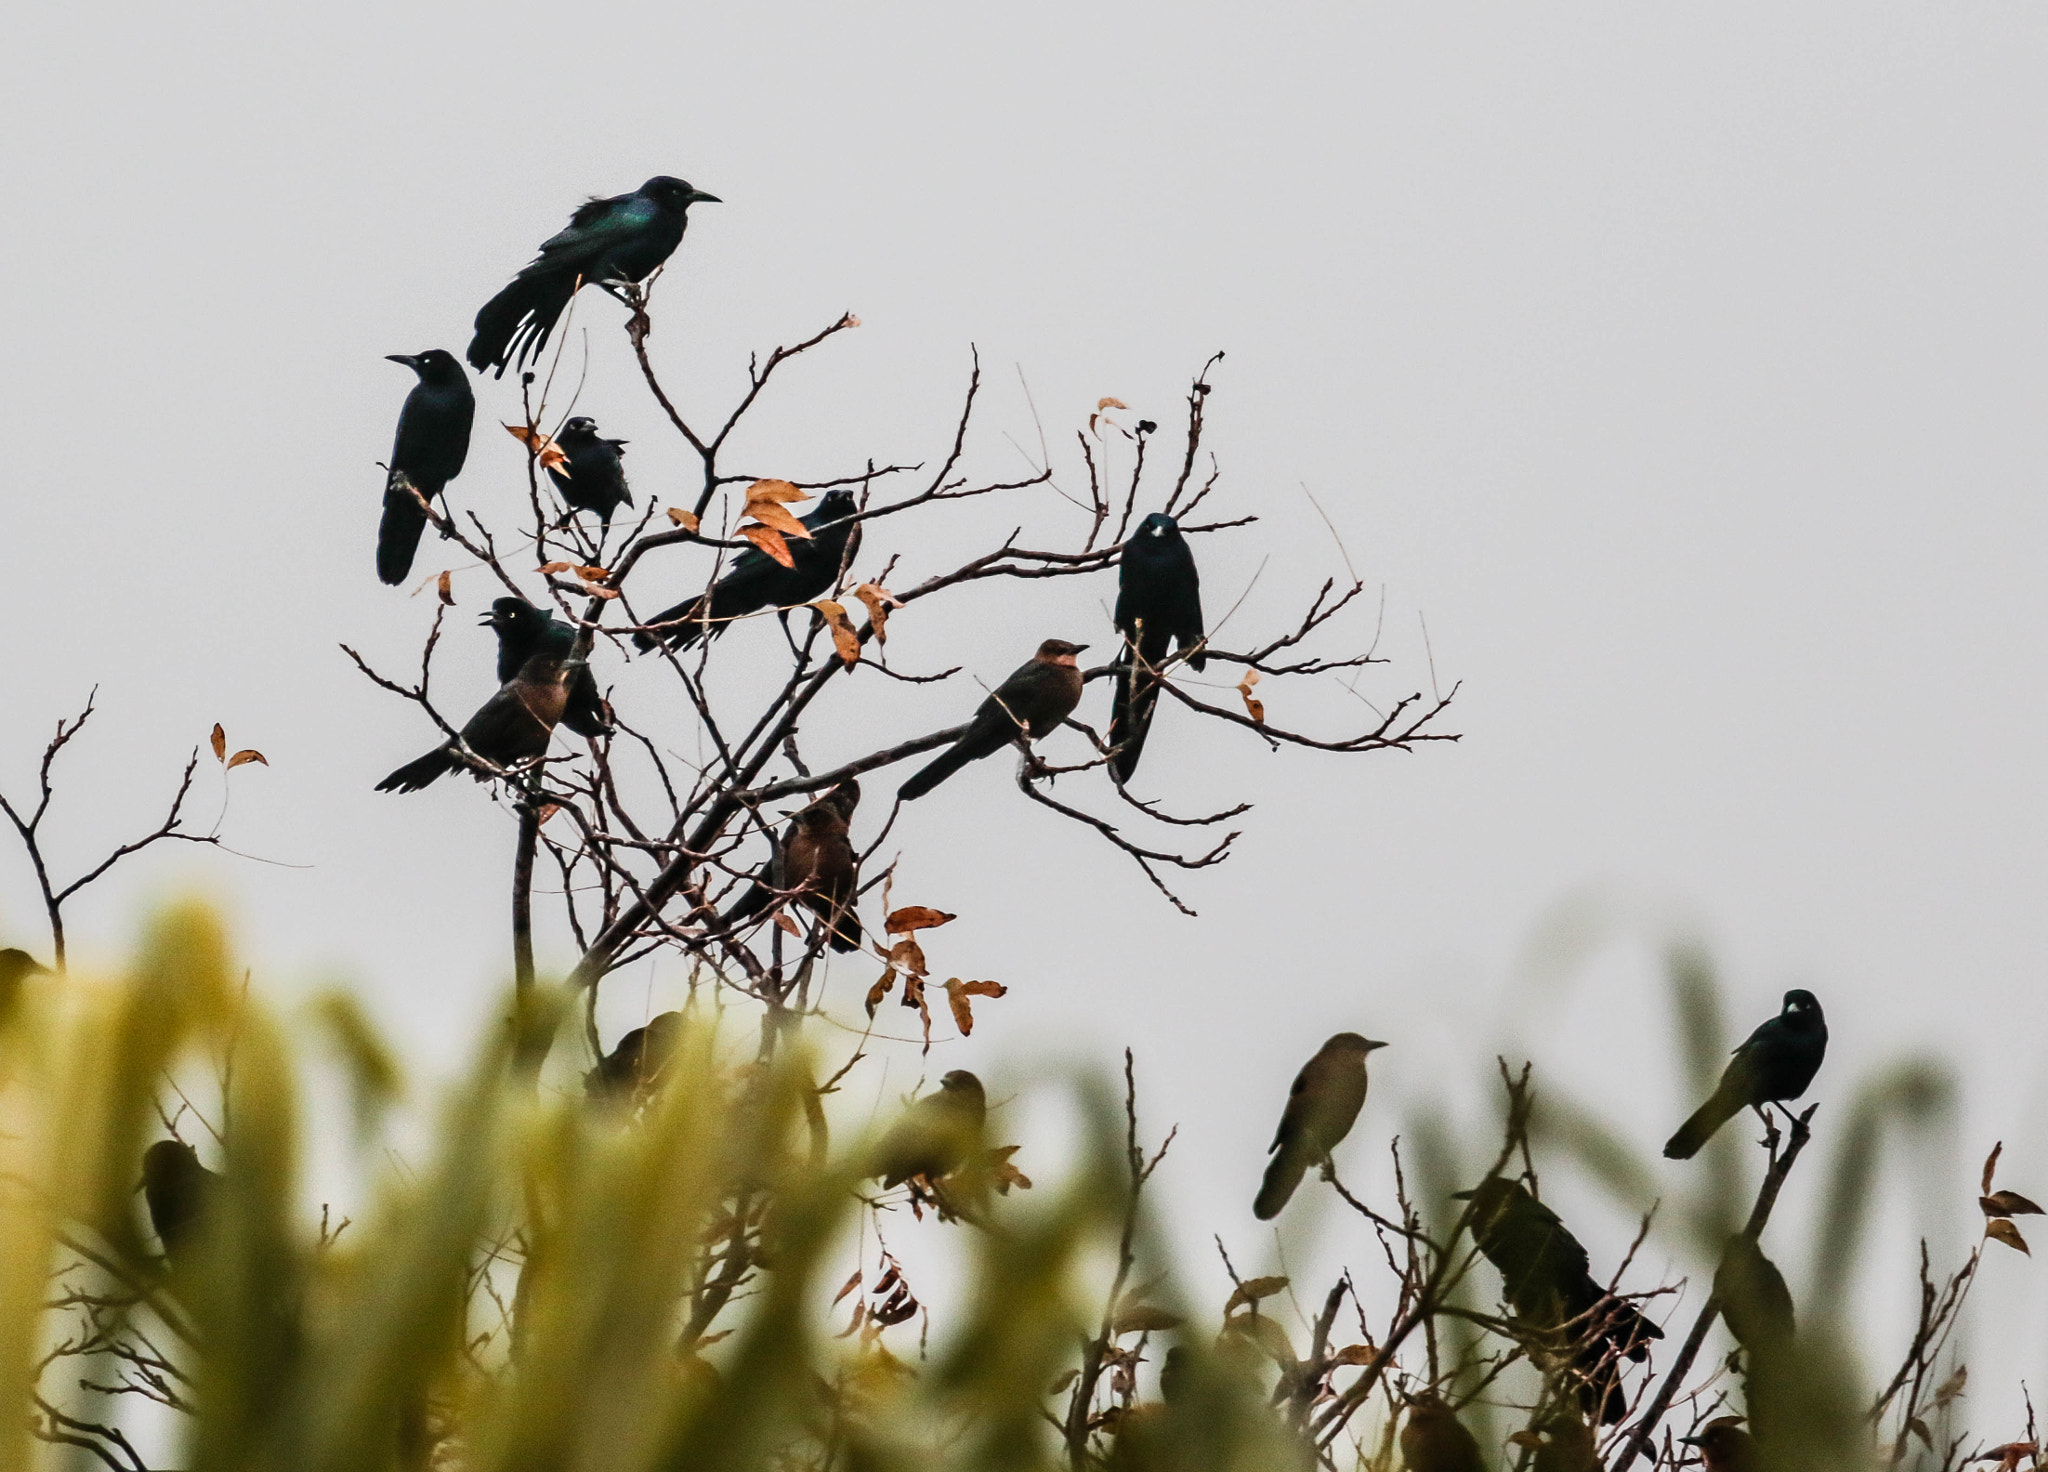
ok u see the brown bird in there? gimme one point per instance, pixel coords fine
(1725, 1446)
(634, 1065)
(1435, 1440)
(1032, 702)
(1321, 1108)
(1754, 1299)
(178, 1191)
(936, 1134)
(814, 856)
(1568, 1444)
(511, 727)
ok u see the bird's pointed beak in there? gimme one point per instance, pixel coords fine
(1461, 1195)
(1371, 1044)
(410, 360)
(698, 196)
(1691, 1440)
(485, 621)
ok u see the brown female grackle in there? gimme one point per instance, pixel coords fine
(814, 855)
(1037, 697)
(1435, 1440)
(1321, 1108)
(936, 1134)
(513, 726)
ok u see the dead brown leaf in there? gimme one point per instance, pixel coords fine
(1354, 1354)
(220, 743)
(913, 918)
(1990, 1165)
(1144, 1318)
(1251, 1290)
(1952, 1388)
(1266, 1333)
(2007, 1233)
(879, 601)
(783, 922)
(957, 994)
(2007, 1203)
(844, 637)
(774, 491)
(847, 1287)
(444, 586)
(596, 592)
(1101, 404)
(768, 514)
(550, 454)
(687, 520)
(880, 990)
(770, 541)
(1253, 706)
(1005, 1174)
(245, 756)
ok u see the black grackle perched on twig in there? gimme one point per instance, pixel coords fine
(1158, 605)
(427, 452)
(1774, 1063)
(757, 581)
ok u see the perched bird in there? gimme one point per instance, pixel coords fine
(592, 479)
(178, 1191)
(1435, 1440)
(1173, 1374)
(1321, 1108)
(1566, 1445)
(814, 855)
(513, 726)
(1549, 1284)
(1725, 1446)
(427, 452)
(936, 1134)
(607, 240)
(524, 631)
(1755, 1302)
(1038, 695)
(636, 1062)
(1158, 605)
(15, 966)
(1775, 1063)
(756, 581)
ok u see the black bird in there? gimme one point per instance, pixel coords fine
(756, 581)
(607, 240)
(1549, 1284)
(1321, 1108)
(511, 727)
(1775, 1063)
(937, 1133)
(814, 855)
(634, 1065)
(1158, 604)
(593, 479)
(178, 1191)
(428, 451)
(524, 631)
(1038, 695)
(1754, 1299)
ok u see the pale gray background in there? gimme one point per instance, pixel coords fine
(1684, 365)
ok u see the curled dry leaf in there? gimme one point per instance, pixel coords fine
(1990, 1165)
(860, 1316)
(912, 918)
(844, 638)
(1251, 1290)
(1253, 706)
(245, 756)
(768, 514)
(879, 601)
(849, 320)
(880, 990)
(957, 994)
(1919, 1428)
(770, 541)
(687, 520)
(2007, 1203)
(1952, 1388)
(1101, 404)
(549, 569)
(774, 491)
(596, 592)
(783, 922)
(2007, 1233)
(847, 1287)
(220, 742)
(444, 588)
(550, 454)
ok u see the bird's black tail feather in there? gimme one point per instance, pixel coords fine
(516, 322)
(398, 533)
(1137, 695)
(688, 618)
(1283, 1173)
(925, 778)
(1697, 1130)
(417, 774)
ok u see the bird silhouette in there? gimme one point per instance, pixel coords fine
(1433, 1439)
(1037, 696)
(1755, 1303)
(592, 477)
(1158, 605)
(1548, 1281)
(606, 241)
(428, 451)
(1775, 1063)
(1321, 1108)
(815, 856)
(633, 1067)
(1725, 1446)
(757, 581)
(513, 726)
(937, 1134)
(179, 1192)
(524, 631)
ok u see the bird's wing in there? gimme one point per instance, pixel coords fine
(597, 223)
(1296, 1105)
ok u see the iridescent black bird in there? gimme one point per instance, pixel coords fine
(814, 855)
(428, 451)
(1549, 1284)
(1774, 1063)
(1321, 1107)
(757, 581)
(524, 631)
(937, 1134)
(1158, 605)
(593, 479)
(178, 1191)
(1039, 694)
(513, 726)
(636, 1063)
(607, 240)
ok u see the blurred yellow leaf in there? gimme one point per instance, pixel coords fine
(1251, 1290)
(1144, 1318)
(1007, 1175)
(1952, 1388)
(1264, 1332)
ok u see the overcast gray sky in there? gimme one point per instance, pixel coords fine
(1683, 365)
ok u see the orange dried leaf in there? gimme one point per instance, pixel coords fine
(220, 743)
(2007, 1233)
(963, 1010)
(444, 587)
(1990, 1165)
(549, 453)
(783, 922)
(879, 601)
(849, 320)
(844, 638)
(907, 955)
(245, 756)
(984, 988)
(596, 592)
(880, 990)
(547, 811)
(549, 569)
(1101, 404)
(771, 515)
(2007, 1203)
(769, 541)
(687, 520)
(591, 573)
(1253, 706)
(912, 918)
(775, 490)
